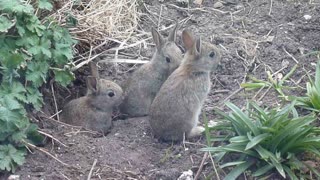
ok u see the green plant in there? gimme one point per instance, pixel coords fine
(265, 140)
(276, 84)
(31, 52)
(312, 100)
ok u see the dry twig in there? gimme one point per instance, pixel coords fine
(44, 151)
(293, 58)
(55, 101)
(50, 136)
(91, 170)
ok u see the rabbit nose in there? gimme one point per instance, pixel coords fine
(111, 94)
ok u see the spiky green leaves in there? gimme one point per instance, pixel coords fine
(272, 139)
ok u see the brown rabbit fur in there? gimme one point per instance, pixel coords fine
(94, 111)
(177, 106)
(141, 88)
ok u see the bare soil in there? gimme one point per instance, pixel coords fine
(254, 36)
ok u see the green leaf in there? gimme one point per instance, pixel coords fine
(261, 171)
(13, 90)
(290, 173)
(37, 73)
(45, 4)
(239, 139)
(43, 47)
(11, 103)
(239, 170)
(243, 118)
(295, 123)
(232, 164)
(63, 77)
(5, 24)
(34, 97)
(15, 6)
(256, 140)
(317, 77)
(62, 53)
(10, 157)
(253, 85)
(267, 155)
(12, 60)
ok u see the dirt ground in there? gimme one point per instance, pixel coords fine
(254, 36)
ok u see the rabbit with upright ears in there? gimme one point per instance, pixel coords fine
(175, 110)
(141, 88)
(94, 110)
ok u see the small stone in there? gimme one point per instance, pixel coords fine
(238, 7)
(307, 17)
(218, 5)
(186, 175)
(14, 177)
(269, 38)
(212, 123)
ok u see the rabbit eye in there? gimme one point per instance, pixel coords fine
(168, 59)
(212, 54)
(111, 94)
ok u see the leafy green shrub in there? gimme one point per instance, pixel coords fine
(312, 100)
(31, 52)
(265, 140)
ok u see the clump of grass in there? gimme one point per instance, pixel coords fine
(312, 100)
(265, 140)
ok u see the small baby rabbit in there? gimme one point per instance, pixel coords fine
(94, 110)
(177, 106)
(141, 88)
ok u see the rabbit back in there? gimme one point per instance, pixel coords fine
(79, 112)
(141, 88)
(176, 108)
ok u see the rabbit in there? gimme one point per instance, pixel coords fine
(141, 88)
(94, 110)
(176, 108)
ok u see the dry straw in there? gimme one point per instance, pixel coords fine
(98, 19)
(99, 22)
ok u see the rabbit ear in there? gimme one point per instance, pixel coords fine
(188, 39)
(173, 34)
(157, 38)
(197, 46)
(94, 69)
(93, 85)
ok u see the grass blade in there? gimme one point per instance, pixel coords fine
(256, 140)
(290, 129)
(232, 164)
(207, 133)
(239, 170)
(239, 139)
(243, 118)
(290, 173)
(252, 85)
(317, 77)
(263, 170)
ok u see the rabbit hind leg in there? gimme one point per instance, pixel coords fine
(196, 131)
